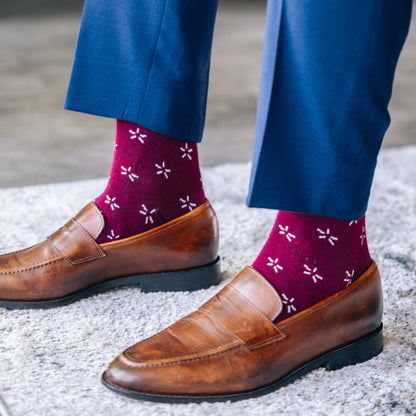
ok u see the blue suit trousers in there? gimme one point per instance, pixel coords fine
(327, 76)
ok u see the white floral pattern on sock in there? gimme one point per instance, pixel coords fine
(363, 236)
(327, 235)
(186, 203)
(112, 235)
(285, 231)
(147, 214)
(127, 171)
(163, 170)
(275, 264)
(111, 202)
(312, 272)
(186, 151)
(349, 277)
(137, 135)
(289, 303)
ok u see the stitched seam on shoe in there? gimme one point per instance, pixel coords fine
(203, 310)
(273, 292)
(212, 351)
(24, 249)
(187, 360)
(186, 318)
(264, 317)
(50, 258)
(27, 266)
(101, 217)
(89, 237)
(154, 234)
(340, 296)
(268, 341)
(86, 259)
(251, 303)
(31, 268)
(20, 251)
(145, 341)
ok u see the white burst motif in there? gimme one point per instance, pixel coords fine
(111, 202)
(162, 170)
(186, 151)
(112, 235)
(186, 203)
(137, 135)
(127, 171)
(327, 235)
(275, 264)
(285, 231)
(349, 277)
(312, 272)
(289, 303)
(363, 236)
(147, 214)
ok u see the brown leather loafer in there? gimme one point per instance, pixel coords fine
(230, 349)
(70, 265)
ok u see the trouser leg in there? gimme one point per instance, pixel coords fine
(145, 61)
(326, 83)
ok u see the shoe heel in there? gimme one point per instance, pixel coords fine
(183, 280)
(357, 352)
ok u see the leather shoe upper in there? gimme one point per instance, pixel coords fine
(71, 260)
(231, 345)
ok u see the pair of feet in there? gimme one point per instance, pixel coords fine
(237, 345)
(153, 226)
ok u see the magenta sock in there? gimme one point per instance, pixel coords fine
(153, 180)
(308, 258)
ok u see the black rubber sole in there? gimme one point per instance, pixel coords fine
(357, 352)
(182, 280)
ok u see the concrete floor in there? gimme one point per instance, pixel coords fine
(41, 143)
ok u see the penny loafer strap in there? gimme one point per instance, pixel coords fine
(236, 314)
(74, 243)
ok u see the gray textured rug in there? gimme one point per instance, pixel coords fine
(51, 360)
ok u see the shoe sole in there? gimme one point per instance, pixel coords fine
(356, 352)
(182, 280)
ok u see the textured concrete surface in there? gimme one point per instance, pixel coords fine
(41, 143)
